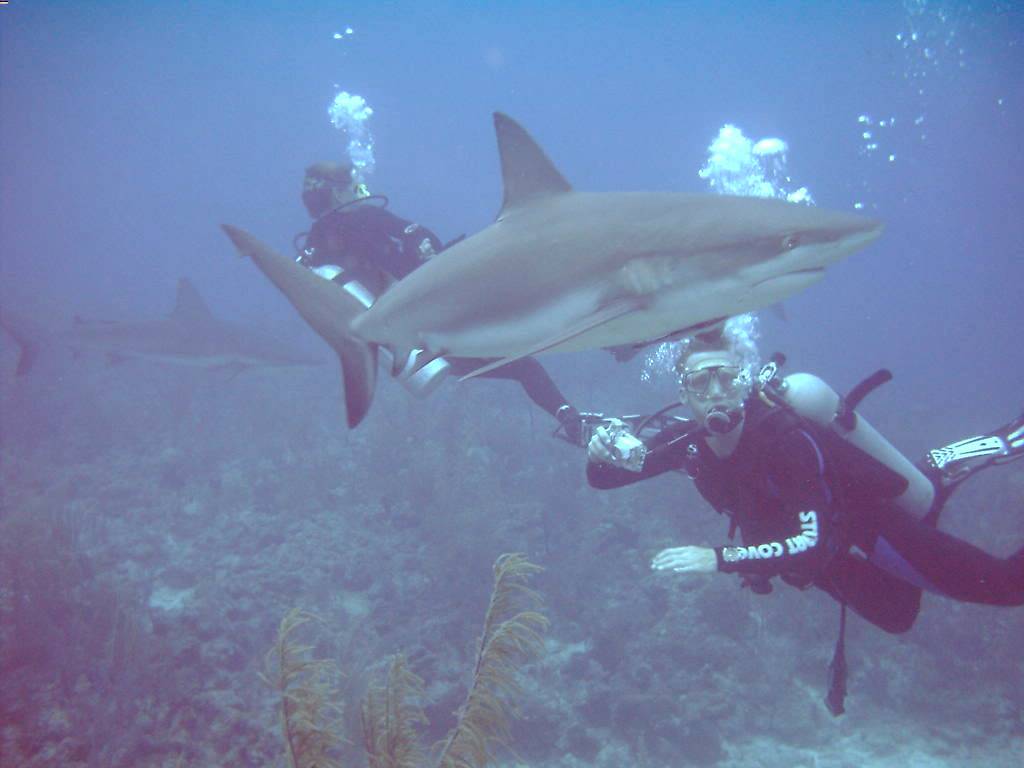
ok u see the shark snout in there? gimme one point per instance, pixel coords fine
(859, 236)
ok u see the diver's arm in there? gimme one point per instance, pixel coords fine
(799, 544)
(665, 452)
(418, 243)
(313, 250)
(767, 557)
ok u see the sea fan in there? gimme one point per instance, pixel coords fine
(511, 635)
(390, 719)
(311, 724)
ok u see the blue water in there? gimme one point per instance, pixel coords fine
(130, 131)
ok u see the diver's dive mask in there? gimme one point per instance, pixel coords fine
(717, 389)
(731, 379)
(321, 195)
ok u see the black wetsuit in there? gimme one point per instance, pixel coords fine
(805, 502)
(376, 247)
(369, 242)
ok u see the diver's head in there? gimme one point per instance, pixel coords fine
(327, 186)
(715, 384)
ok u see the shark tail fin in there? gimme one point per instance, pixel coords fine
(327, 309)
(359, 375)
(28, 349)
(26, 358)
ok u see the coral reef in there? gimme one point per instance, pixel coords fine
(311, 723)
(147, 555)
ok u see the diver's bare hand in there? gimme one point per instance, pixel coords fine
(686, 560)
(600, 449)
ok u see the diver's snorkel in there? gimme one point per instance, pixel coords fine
(721, 420)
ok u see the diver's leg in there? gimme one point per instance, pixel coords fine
(536, 382)
(926, 557)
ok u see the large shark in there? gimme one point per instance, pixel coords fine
(191, 335)
(561, 270)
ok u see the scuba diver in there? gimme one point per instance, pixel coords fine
(819, 497)
(358, 243)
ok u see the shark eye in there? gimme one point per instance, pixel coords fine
(789, 242)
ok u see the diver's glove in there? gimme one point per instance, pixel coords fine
(616, 444)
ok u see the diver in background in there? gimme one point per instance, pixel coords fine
(356, 241)
(812, 505)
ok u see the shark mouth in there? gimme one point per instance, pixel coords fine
(810, 271)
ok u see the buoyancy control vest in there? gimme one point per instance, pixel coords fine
(868, 466)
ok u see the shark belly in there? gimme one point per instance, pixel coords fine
(650, 316)
(514, 334)
(682, 307)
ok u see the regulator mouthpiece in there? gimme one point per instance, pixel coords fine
(721, 420)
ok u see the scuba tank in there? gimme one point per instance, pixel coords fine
(846, 430)
(816, 401)
(418, 377)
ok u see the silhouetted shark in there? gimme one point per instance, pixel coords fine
(564, 270)
(190, 335)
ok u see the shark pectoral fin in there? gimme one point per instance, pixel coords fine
(492, 366)
(359, 374)
(232, 369)
(604, 315)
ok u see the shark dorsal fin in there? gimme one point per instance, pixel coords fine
(189, 306)
(525, 169)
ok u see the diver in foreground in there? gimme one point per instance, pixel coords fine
(819, 497)
(358, 243)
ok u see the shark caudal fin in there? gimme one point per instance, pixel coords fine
(327, 309)
(359, 376)
(28, 349)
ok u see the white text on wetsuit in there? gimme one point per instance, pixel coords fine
(806, 539)
(808, 535)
